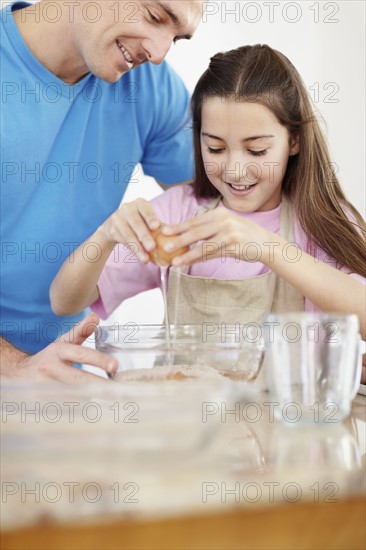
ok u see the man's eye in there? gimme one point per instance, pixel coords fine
(152, 17)
(214, 151)
(258, 153)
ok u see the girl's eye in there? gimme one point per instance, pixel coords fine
(258, 153)
(214, 151)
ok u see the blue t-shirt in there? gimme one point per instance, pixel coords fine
(67, 155)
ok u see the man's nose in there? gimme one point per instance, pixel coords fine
(157, 49)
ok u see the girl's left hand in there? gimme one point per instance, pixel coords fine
(219, 234)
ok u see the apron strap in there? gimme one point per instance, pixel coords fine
(207, 207)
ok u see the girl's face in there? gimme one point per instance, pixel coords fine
(245, 151)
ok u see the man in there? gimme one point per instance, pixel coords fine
(75, 124)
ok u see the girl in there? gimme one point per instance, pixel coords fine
(272, 228)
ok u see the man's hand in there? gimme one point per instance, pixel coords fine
(363, 371)
(56, 360)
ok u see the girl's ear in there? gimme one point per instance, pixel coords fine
(294, 145)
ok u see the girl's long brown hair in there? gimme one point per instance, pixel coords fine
(263, 75)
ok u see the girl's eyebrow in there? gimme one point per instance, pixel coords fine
(252, 138)
(211, 136)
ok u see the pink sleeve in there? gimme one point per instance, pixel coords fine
(176, 204)
(123, 275)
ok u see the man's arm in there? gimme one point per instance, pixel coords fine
(56, 360)
(11, 359)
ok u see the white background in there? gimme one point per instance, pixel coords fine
(326, 42)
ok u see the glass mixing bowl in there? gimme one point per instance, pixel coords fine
(184, 351)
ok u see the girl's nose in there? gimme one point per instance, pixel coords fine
(238, 170)
(232, 168)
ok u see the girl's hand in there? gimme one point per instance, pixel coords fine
(223, 234)
(130, 225)
(76, 284)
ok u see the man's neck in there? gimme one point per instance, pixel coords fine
(50, 43)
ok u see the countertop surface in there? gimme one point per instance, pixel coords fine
(118, 467)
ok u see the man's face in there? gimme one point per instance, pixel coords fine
(123, 34)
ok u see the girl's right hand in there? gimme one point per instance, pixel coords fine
(131, 225)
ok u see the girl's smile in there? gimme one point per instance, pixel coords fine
(241, 190)
(245, 151)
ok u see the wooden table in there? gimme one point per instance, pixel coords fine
(297, 526)
(268, 486)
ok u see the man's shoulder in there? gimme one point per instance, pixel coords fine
(144, 91)
(7, 9)
(152, 93)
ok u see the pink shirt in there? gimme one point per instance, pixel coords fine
(124, 276)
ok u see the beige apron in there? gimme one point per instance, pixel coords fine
(195, 300)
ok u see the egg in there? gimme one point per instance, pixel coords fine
(159, 256)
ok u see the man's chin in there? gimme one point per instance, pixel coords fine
(112, 78)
